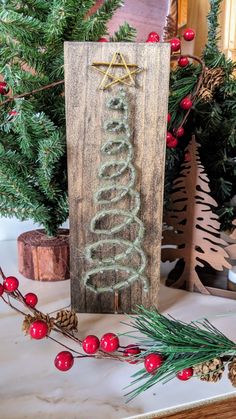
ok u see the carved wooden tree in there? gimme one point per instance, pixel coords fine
(195, 227)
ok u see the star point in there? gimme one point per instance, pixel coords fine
(109, 79)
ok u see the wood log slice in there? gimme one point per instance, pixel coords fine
(44, 258)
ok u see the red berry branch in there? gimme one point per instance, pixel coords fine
(41, 325)
(107, 347)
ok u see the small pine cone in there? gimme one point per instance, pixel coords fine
(26, 323)
(67, 319)
(211, 371)
(28, 320)
(212, 79)
(232, 372)
(206, 94)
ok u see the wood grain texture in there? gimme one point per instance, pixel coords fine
(86, 113)
(44, 258)
(223, 409)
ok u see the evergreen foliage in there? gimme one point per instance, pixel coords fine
(33, 182)
(213, 122)
(182, 345)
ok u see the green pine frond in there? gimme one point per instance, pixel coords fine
(125, 33)
(182, 345)
(95, 25)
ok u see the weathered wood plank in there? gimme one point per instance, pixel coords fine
(86, 112)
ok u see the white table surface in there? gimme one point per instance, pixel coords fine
(30, 385)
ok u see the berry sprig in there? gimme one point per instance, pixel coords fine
(186, 104)
(176, 343)
(40, 326)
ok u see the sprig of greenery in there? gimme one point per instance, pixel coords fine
(182, 345)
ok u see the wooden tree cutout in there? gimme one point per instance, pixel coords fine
(195, 228)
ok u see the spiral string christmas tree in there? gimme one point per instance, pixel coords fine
(118, 175)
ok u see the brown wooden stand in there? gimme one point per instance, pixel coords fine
(44, 258)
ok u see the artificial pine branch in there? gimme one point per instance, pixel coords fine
(211, 48)
(33, 180)
(125, 33)
(212, 121)
(182, 345)
(95, 25)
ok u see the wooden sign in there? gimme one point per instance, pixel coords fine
(116, 111)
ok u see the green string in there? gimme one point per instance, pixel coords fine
(110, 173)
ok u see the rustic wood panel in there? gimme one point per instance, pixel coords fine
(86, 112)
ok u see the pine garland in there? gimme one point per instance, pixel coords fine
(114, 192)
(212, 121)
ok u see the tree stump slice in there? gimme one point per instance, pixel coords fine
(44, 258)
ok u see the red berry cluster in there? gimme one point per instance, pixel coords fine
(11, 284)
(91, 344)
(3, 88)
(154, 361)
(175, 43)
(38, 329)
(172, 140)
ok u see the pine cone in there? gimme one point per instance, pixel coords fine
(210, 370)
(28, 320)
(212, 79)
(232, 372)
(67, 319)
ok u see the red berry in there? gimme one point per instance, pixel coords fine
(31, 299)
(186, 103)
(172, 143)
(91, 344)
(153, 37)
(179, 132)
(3, 88)
(187, 156)
(10, 284)
(13, 113)
(1, 289)
(185, 374)
(103, 40)
(188, 34)
(130, 351)
(109, 342)
(64, 361)
(183, 61)
(169, 137)
(175, 44)
(38, 329)
(152, 362)
(168, 118)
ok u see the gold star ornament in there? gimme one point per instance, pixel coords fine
(110, 78)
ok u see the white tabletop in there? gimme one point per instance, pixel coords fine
(30, 385)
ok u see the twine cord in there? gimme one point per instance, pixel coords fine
(112, 192)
